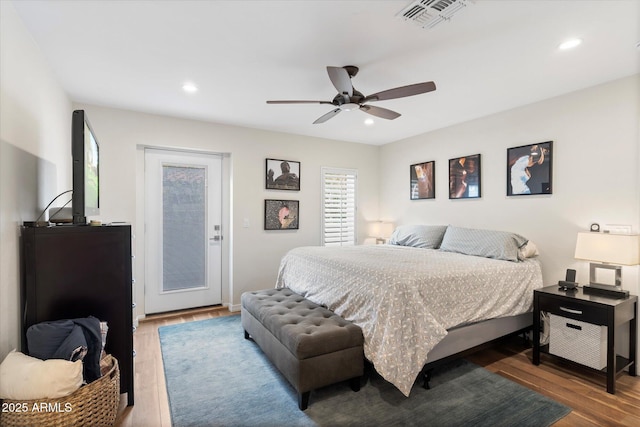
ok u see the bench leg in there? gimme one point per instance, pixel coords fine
(246, 335)
(303, 400)
(354, 383)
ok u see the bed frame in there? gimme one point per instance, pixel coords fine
(464, 340)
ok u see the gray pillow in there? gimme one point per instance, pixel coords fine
(418, 236)
(485, 243)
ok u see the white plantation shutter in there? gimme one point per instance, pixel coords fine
(339, 206)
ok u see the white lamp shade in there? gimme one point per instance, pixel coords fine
(381, 229)
(620, 249)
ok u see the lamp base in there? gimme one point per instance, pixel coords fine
(611, 292)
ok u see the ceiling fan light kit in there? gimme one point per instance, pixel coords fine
(429, 13)
(349, 106)
(348, 98)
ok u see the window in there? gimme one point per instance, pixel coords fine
(339, 206)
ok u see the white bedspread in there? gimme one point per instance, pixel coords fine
(405, 299)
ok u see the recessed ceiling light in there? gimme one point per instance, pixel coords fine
(369, 121)
(570, 44)
(189, 87)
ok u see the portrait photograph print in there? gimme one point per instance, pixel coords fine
(422, 181)
(464, 177)
(281, 214)
(282, 175)
(529, 169)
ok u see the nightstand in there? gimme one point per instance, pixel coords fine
(595, 310)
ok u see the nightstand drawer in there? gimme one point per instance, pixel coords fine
(574, 310)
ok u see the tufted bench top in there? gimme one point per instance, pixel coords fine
(305, 328)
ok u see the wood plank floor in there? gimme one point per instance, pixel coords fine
(579, 389)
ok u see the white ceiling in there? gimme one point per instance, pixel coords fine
(493, 56)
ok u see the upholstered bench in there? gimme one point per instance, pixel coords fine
(309, 344)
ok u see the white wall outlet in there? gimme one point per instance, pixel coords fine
(245, 223)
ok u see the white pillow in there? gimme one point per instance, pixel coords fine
(24, 377)
(529, 250)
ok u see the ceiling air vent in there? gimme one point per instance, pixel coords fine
(429, 13)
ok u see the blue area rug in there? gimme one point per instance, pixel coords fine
(217, 378)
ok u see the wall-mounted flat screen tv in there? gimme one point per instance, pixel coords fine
(86, 169)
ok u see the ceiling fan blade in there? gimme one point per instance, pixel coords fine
(340, 79)
(298, 102)
(383, 113)
(327, 116)
(401, 92)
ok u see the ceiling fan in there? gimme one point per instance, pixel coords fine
(348, 98)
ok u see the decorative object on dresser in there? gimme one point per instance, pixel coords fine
(75, 271)
(464, 177)
(529, 169)
(579, 321)
(610, 252)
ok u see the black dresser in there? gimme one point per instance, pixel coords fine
(76, 271)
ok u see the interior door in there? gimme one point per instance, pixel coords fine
(183, 233)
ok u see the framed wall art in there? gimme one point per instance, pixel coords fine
(282, 175)
(464, 177)
(422, 181)
(281, 214)
(529, 169)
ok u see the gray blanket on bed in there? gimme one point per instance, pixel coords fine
(405, 299)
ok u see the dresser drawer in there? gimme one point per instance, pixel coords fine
(573, 310)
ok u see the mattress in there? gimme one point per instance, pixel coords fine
(406, 298)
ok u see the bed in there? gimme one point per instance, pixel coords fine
(415, 298)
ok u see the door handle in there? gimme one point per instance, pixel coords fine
(217, 237)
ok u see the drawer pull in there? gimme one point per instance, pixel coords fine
(570, 310)
(572, 326)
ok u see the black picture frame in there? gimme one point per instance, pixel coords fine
(465, 177)
(422, 180)
(281, 214)
(282, 174)
(530, 169)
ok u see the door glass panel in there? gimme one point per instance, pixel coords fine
(184, 225)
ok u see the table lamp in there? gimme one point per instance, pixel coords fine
(381, 231)
(611, 252)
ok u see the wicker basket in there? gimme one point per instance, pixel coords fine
(95, 404)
